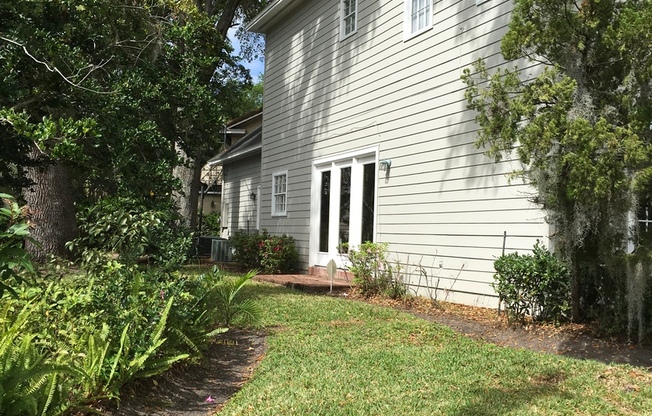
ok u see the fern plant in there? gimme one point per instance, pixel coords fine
(30, 383)
(128, 365)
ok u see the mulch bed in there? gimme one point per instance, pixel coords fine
(198, 389)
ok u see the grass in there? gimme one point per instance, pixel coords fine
(330, 356)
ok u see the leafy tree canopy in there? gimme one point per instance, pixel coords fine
(107, 86)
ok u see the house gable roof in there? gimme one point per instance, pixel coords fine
(272, 14)
(246, 146)
(244, 118)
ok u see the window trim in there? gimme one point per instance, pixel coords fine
(407, 21)
(275, 175)
(344, 35)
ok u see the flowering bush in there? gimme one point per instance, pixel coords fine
(268, 253)
(247, 249)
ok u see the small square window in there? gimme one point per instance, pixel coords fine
(279, 193)
(349, 17)
(418, 17)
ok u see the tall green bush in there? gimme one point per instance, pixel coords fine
(131, 232)
(74, 337)
(535, 285)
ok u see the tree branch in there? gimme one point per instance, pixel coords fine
(52, 68)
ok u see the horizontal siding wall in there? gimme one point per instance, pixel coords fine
(444, 205)
(241, 179)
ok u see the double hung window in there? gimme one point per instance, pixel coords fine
(349, 21)
(279, 193)
(418, 16)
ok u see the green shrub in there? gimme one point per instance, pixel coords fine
(373, 273)
(211, 224)
(15, 263)
(536, 285)
(278, 254)
(247, 249)
(132, 233)
(75, 337)
(269, 253)
(31, 381)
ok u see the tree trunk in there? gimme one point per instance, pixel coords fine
(52, 211)
(226, 19)
(189, 174)
(575, 291)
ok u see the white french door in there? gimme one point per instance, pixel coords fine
(343, 211)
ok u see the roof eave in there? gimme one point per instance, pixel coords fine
(277, 8)
(235, 156)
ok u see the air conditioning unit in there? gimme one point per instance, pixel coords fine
(221, 250)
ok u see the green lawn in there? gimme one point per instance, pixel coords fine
(330, 356)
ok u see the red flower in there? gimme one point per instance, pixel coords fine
(277, 249)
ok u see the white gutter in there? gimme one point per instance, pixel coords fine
(269, 13)
(235, 155)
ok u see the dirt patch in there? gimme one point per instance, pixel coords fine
(200, 389)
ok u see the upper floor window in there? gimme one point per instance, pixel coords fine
(349, 22)
(279, 193)
(418, 16)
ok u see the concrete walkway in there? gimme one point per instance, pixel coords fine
(306, 282)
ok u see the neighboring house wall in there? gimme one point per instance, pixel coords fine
(212, 203)
(442, 204)
(239, 210)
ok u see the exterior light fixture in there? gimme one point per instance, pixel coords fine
(385, 164)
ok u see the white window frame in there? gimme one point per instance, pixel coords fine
(408, 33)
(343, 17)
(275, 194)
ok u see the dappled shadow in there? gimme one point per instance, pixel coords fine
(566, 340)
(586, 347)
(309, 89)
(498, 401)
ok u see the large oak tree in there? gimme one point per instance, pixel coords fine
(97, 96)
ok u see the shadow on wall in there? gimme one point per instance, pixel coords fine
(307, 83)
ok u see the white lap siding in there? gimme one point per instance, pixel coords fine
(241, 179)
(444, 204)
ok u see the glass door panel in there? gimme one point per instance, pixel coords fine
(368, 198)
(345, 206)
(324, 210)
